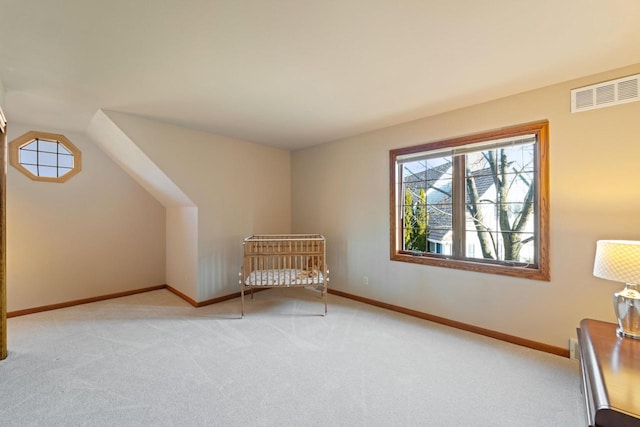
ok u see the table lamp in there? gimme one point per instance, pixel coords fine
(619, 260)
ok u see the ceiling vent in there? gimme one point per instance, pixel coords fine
(613, 92)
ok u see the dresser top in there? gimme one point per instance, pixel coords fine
(615, 366)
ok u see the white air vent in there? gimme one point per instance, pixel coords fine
(614, 92)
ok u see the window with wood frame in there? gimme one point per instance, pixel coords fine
(478, 202)
(45, 156)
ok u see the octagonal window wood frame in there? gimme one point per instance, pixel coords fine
(27, 138)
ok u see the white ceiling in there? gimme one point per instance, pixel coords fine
(294, 73)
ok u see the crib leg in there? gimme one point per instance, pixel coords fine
(241, 283)
(325, 299)
(242, 301)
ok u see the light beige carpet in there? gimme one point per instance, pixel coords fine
(151, 359)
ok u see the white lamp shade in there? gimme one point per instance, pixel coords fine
(618, 260)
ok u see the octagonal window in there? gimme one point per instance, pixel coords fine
(45, 156)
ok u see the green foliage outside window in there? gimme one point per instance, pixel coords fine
(416, 222)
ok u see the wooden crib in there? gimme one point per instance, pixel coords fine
(284, 260)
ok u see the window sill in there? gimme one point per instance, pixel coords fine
(533, 273)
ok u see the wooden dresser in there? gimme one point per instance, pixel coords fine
(610, 369)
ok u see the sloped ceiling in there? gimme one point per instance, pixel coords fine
(294, 73)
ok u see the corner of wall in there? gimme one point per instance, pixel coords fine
(181, 219)
(238, 188)
(182, 249)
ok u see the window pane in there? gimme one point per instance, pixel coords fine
(65, 161)
(63, 150)
(29, 157)
(520, 158)
(439, 215)
(518, 185)
(426, 208)
(499, 202)
(479, 161)
(47, 146)
(48, 172)
(482, 215)
(502, 246)
(47, 159)
(480, 244)
(439, 191)
(33, 146)
(440, 167)
(62, 171)
(527, 252)
(413, 171)
(32, 168)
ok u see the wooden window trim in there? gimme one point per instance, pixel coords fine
(542, 270)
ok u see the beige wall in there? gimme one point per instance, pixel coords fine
(1, 94)
(239, 189)
(98, 233)
(340, 189)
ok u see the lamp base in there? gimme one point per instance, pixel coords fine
(624, 334)
(626, 305)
